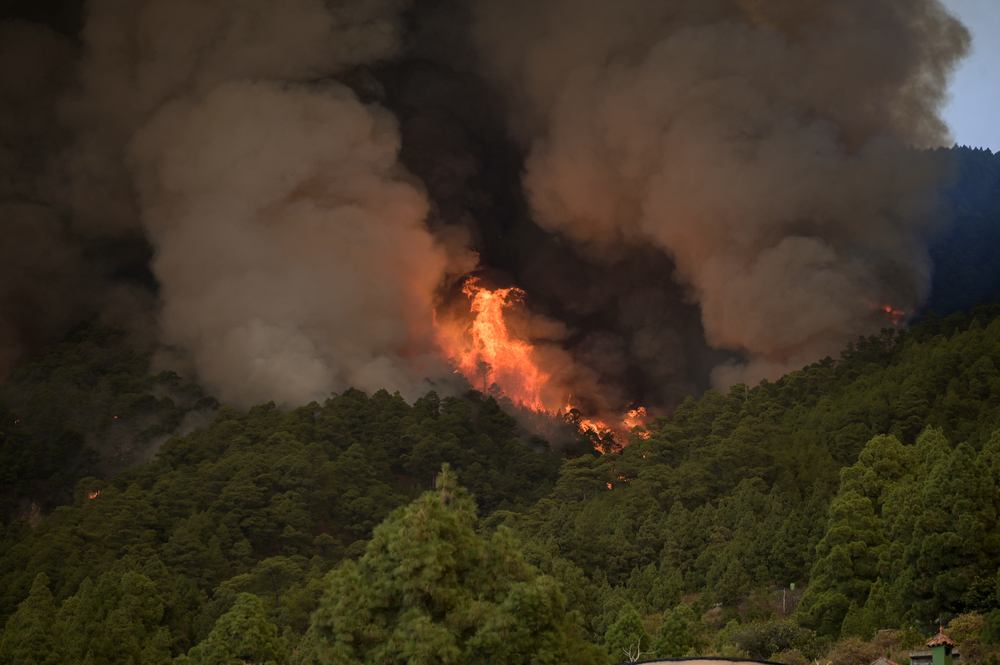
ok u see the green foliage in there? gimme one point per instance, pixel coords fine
(117, 620)
(879, 612)
(912, 533)
(761, 640)
(429, 590)
(241, 635)
(870, 481)
(853, 651)
(677, 633)
(34, 633)
(626, 639)
(92, 383)
(847, 565)
(990, 631)
(262, 502)
(965, 626)
(954, 537)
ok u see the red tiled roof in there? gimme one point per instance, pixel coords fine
(884, 660)
(941, 639)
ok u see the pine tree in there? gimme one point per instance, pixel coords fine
(241, 635)
(675, 637)
(851, 627)
(878, 612)
(847, 564)
(117, 620)
(429, 590)
(955, 536)
(735, 584)
(626, 639)
(32, 634)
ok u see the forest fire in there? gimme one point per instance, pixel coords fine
(486, 354)
(635, 417)
(93, 495)
(897, 315)
(495, 361)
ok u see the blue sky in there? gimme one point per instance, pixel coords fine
(973, 112)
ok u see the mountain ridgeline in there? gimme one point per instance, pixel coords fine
(869, 482)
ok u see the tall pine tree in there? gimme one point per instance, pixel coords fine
(429, 590)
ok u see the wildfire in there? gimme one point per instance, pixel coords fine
(897, 315)
(487, 355)
(637, 417)
(493, 360)
(609, 437)
(93, 494)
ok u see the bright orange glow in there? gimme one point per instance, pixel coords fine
(595, 426)
(94, 494)
(497, 363)
(897, 315)
(636, 418)
(486, 354)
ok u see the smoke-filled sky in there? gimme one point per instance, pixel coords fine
(281, 193)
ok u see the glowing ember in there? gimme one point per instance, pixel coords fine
(897, 315)
(637, 418)
(94, 494)
(486, 354)
(595, 426)
(604, 432)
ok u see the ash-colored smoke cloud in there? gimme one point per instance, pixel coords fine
(765, 145)
(289, 244)
(37, 262)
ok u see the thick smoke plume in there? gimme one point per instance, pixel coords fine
(290, 250)
(765, 145)
(290, 247)
(282, 192)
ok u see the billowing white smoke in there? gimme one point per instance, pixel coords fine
(292, 259)
(289, 243)
(764, 144)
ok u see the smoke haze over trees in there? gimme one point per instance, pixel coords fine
(280, 194)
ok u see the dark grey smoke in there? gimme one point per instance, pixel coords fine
(765, 145)
(53, 273)
(282, 191)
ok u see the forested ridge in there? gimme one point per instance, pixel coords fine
(870, 482)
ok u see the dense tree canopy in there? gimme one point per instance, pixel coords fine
(430, 590)
(870, 482)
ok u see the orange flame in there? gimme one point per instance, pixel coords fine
(489, 357)
(94, 494)
(897, 315)
(637, 418)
